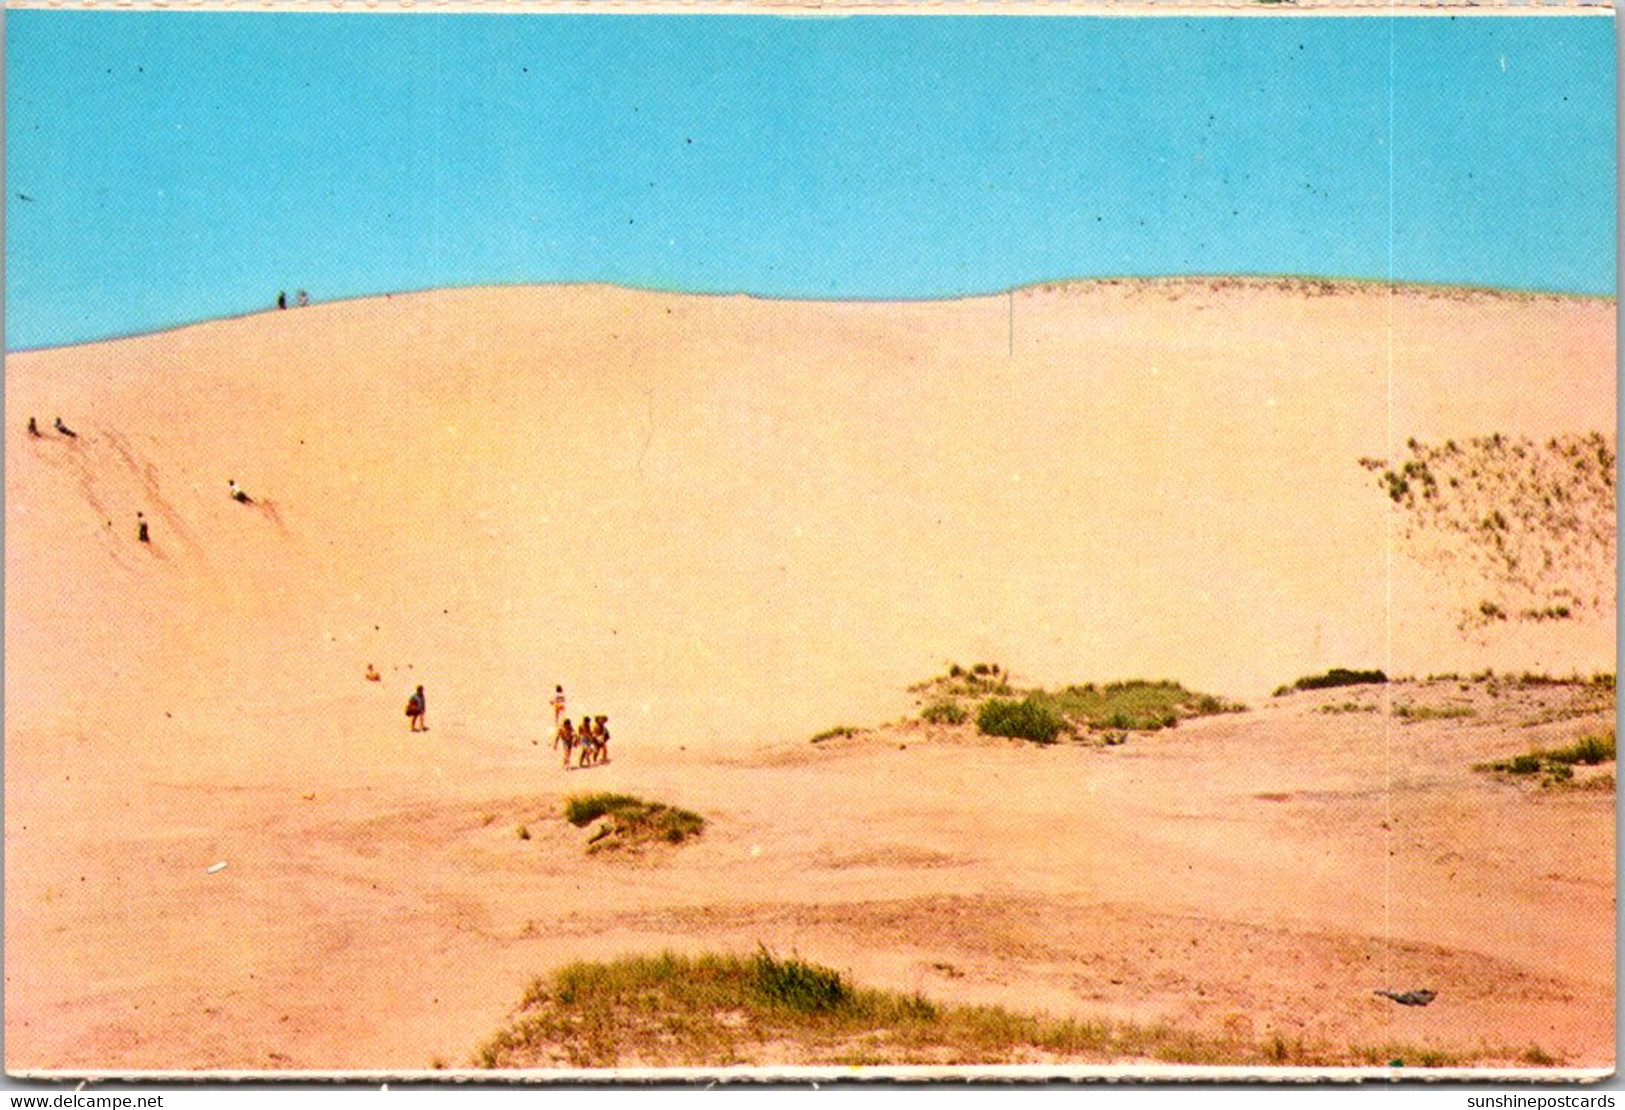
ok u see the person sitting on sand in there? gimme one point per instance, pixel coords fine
(373, 675)
(417, 708)
(566, 736)
(33, 428)
(237, 493)
(65, 430)
(558, 705)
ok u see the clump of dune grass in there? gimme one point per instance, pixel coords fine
(1337, 676)
(720, 1010)
(632, 822)
(1556, 766)
(980, 680)
(839, 732)
(1347, 707)
(945, 711)
(1432, 712)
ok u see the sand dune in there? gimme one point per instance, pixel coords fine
(726, 523)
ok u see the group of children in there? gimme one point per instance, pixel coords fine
(592, 736)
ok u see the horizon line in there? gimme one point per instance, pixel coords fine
(1238, 277)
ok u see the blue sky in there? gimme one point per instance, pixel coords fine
(182, 166)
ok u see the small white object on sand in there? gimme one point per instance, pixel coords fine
(221, 866)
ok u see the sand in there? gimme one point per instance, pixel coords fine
(729, 524)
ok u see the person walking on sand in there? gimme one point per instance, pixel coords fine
(566, 736)
(65, 430)
(237, 493)
(417, 708)
(558, 705)
(33, 428)
(141, 528)
(282, 299)
(304, 298)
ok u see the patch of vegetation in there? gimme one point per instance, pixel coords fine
(1557, 766)
(720, 1010)
(1028, 719)
(839, 732)
(1348, 707)
(945, 711)
(1432, 712)
(632, 822)
(1531, 523)
(1043, 715)
(980, 680)
(1337, 676)
(1589, 750)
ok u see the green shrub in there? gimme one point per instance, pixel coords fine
(945, 712)
(1028, 719)
(839, 732)
(1523, 764)
(1337, 676)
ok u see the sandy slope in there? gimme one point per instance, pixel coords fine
(726, 523)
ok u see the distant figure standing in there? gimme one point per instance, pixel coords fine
(237, 493)
(141, 528)
(304, 298)
(566, 736)
(417, 708)
(65, 430)
(282, 299)
(33, 428)
(558, 705)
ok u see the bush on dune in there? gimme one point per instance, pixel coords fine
(1028, 719)
(632, 821)
(1337, 676)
